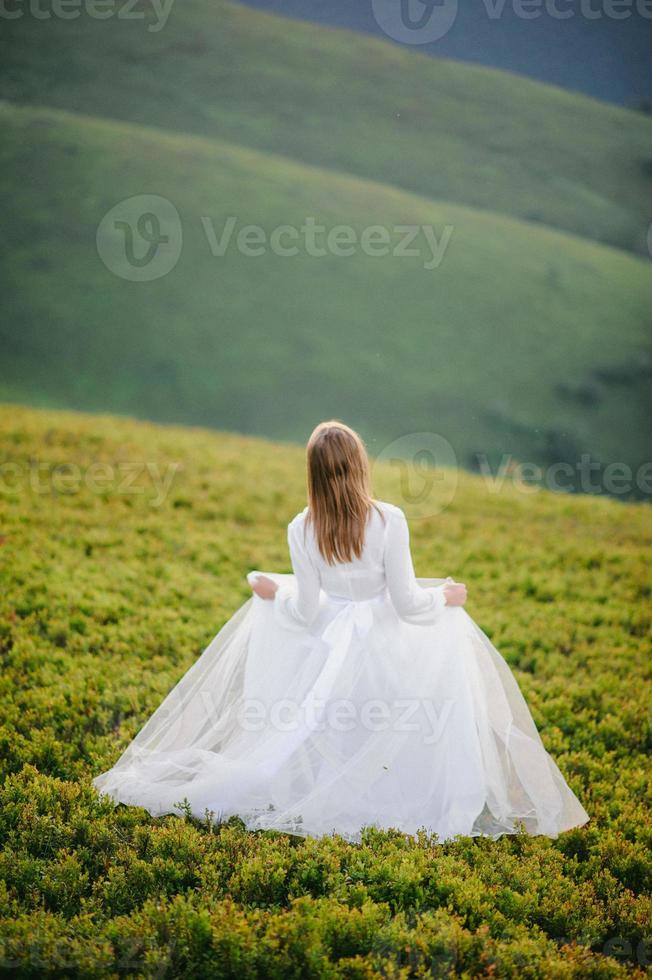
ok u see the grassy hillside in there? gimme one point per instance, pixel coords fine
(345, 102)
(233, 342)
(108, 596)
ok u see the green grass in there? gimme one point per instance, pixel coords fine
(107, 600)
(494, 349)
(532, 338)
(349, 103)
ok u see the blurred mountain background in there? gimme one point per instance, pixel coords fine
(531, 337)
(575, 44)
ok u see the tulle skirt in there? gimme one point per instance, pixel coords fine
(362, 720)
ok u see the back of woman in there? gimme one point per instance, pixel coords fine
(348, 695)
(347, 546)
(358, 578)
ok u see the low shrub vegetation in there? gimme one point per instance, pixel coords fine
(110, 592)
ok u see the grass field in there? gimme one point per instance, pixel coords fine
(531, 338)
(110, 590)
(522, 340)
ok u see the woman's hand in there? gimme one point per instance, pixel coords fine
(264, 587)
(455, 593)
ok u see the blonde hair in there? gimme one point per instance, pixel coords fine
(339, 498)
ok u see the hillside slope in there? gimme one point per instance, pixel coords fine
(111, 588)
(559, 51)
(232, 342)
(349, 103)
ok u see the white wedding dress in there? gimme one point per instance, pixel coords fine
(355, 698)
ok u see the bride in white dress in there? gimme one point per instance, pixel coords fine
(348, 694)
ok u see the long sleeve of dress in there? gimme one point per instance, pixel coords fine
(414, 604)
(296, 605)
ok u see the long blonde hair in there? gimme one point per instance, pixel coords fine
(339, 498)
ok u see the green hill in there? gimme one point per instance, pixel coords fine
(111, 589)
(345, 102)
(514, 343)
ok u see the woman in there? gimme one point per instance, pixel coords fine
(349, 694)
